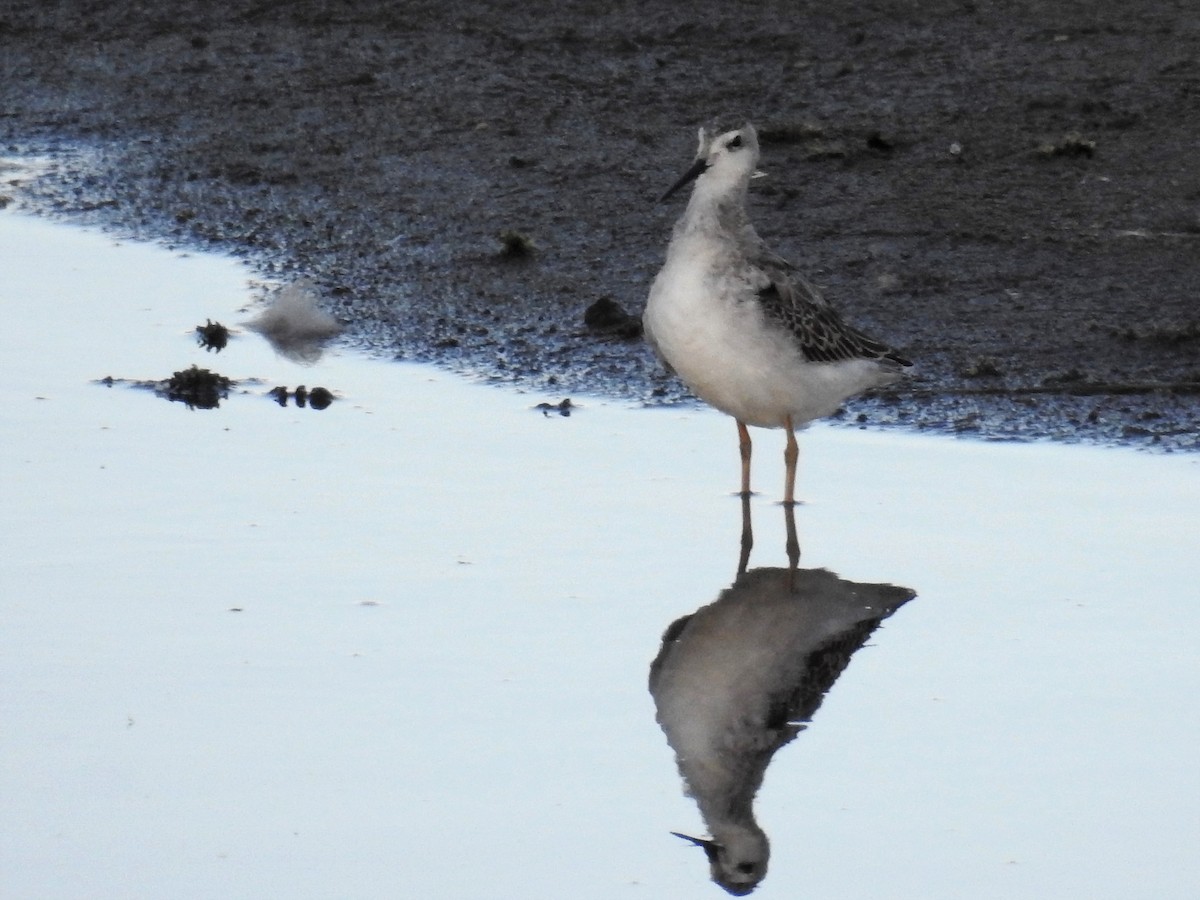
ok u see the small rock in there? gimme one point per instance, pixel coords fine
(877, 140)
(515, 245)
(984, 367)
(1073, 145)
(609, 317)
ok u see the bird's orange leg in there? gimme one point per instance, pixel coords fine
(744, 448)
(790, 454)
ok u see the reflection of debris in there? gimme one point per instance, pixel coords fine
(294, 325)
(317, 398)
(563, 409)
(606, 315)
(196, 387)
(212, 335)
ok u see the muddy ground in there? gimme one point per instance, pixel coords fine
(1009, 192)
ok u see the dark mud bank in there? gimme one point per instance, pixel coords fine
(1007, 192)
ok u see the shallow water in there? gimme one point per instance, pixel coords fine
(402, 645)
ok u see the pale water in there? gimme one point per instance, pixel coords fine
(399, 647)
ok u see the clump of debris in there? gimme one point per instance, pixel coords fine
(562, 408)
(515, 245)
(317, 398)
(212, 336)
(1072, 145)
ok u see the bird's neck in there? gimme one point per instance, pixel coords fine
(712, 211)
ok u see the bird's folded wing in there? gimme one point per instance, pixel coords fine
(790, 299)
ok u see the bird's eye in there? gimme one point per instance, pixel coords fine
(745, 867)
(735, 142)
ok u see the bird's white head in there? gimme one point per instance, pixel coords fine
(725, 161)
(738, 862)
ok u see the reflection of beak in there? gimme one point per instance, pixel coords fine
(689, 176)
(710, 847)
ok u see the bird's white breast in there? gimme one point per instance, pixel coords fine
(708, 328)
(706, 322)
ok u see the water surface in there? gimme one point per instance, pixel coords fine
(401, 645)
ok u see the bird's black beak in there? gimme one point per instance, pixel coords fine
(688, 177)
(709, 847)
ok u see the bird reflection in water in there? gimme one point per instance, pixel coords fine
(293, 324)
(739, 678)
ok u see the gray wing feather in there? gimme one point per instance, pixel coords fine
(791, 300)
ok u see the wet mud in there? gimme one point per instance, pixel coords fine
(1005, 191)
